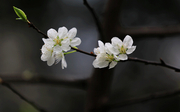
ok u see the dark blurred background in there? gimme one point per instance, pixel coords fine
(20, 54)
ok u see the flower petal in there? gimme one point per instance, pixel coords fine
(72, 33)
(122, 57)
(128, 41)
(112, 64)
(45, 56)
(100, 64)
(44, 49)
(101, 46)
(52, 33)
(63, 63)
(48, 41)
(130, 50)
(75, 42)
(110, 49)
(103, 64)
(95, 63)
(116, 42)
(51, 61)
(62, 32)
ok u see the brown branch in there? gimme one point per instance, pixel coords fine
(149, 31)
(161, 63)
(90, 54)
(95, 17)
(143, 99)
(21, 96)
(111, 18)
(72, 83)
(34, 27)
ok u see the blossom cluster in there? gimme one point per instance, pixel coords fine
(111, 53)
(58, 44)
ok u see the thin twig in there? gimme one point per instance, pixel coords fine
(161, 63)
(143, 99)
(66, 82)
(98, 24)
(149, 31)
(34, 27)
(90, 54)
(21, 96)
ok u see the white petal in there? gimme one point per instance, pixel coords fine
(112, 64)
(57, 60)
(116, 41)
(57, 48)
(96, 51)
(103, 64)
(122, 57)
(65, 45)
(48, 41)
(52, 33)
(75, 42)
(110, 49)
(58, 57)
(51, 61)
(44, 49)
(72, 33)
(62, 32)
(63, 63)
(130, 50)
(45, 56)
(128, 41)
(101, 46)
(95, 63)
(98, 64)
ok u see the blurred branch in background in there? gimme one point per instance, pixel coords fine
(95, 17)
(143, 99)
(72, 83)
(149, 31)
(147, 62)
(21, 96)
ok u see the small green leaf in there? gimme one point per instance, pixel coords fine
(20, 14)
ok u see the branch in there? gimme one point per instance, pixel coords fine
(90, 54)
(34, 27)
(72, 83)
(97, 22)
(149, 31)
(161, 63)
(111, 18)
(21, 96)
(143, 99)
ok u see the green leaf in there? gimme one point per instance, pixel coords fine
(20, 14)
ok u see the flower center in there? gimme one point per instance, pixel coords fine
(110, 57)
(58, 41)
(122, 50)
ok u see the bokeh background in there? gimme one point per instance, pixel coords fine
(20, 54)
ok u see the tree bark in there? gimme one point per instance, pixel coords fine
(98, 90)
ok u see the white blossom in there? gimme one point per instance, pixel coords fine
(58, 44)
(47, 54)
(109, 54)
(105, 56)
(123, 48)
(60, 38)
(59, 55)
(74, 41)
